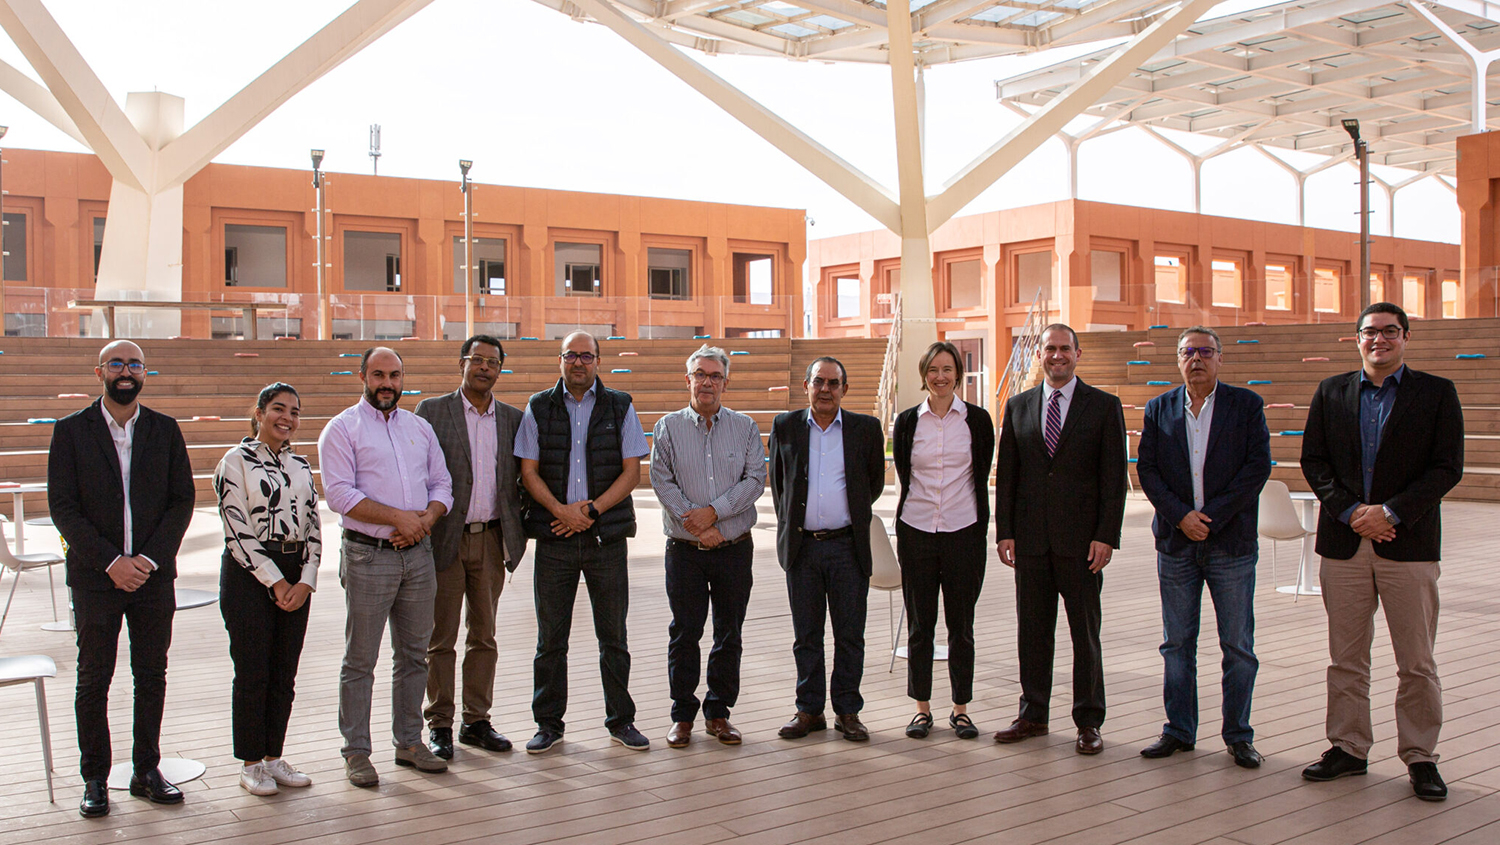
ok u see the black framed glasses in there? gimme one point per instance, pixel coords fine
(579, 357)
(117, 367)
(1205, 352)
(1390, 332)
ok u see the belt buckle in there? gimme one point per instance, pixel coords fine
(475, 527)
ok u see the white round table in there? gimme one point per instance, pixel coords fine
(1307, 574)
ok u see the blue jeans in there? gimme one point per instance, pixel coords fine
(1231, 584)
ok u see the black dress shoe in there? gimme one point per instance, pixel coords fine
(155, 787)
(1165, 746)
(480, 733)
(1089, 741)
(1244, 754)
(544, 741)
(1426, 782)
(1336, 763)
(440, 742)
(851, 727)
(95, 801)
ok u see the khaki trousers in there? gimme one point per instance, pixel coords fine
(478, 575)
(1352, 590)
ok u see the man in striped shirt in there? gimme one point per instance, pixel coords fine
(708, 467)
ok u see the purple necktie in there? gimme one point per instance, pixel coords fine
(1054, 422)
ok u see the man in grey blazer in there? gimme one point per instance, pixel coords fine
(471, 542)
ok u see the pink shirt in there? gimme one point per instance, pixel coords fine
(941, 495)
(482, 447)
(393, 461)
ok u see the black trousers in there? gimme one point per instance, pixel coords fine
(605, 571)
(265, 643)
(696, 579)
(826, 582)
(950, 562)
(1040, 579)
(148, 614)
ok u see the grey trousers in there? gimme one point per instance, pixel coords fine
(385, 586)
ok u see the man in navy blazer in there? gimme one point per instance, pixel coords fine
(1204, 456)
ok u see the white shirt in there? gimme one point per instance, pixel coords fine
(124, 437)
(1198, 429)
(483, 504)
(827, 500)
(1064, 403)
(940, 497)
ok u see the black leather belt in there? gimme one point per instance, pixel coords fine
(830, 534)
(366, 540)
(283, 547)
(480, 527)
(702, 548)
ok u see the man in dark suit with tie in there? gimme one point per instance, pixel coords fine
(1205, 454)
(1382, 446)
(473, 545)
(827, 467)
(120, 490)
(1059, 504)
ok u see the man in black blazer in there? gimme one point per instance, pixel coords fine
(120, 490)
(473, 544)
(1059, 504)
(827, 467)
(1205, 454)
(1382, 446)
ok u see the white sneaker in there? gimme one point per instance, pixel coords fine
(255, 780)
(282, 772)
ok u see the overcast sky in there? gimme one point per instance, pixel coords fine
(537, 99)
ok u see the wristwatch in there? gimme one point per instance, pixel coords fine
(594, 512)
(1390, 515)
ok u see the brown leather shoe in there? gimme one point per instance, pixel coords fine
(1089, 741)
(680, 735)
(1021, 729)
(802, 724)
(723, 731)
(851, 727)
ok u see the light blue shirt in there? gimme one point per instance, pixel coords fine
(632, 440)
(827, 498)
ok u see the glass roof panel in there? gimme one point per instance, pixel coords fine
(793, 30)
(996, 14)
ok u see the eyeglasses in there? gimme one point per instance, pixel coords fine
(831, 384)
(1388, 332)
(712, 378)
(579, 357)
(135, 367)
(1207, 353)
(481, 361)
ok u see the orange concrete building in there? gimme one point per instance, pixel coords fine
(1478, 204)
(543, 261)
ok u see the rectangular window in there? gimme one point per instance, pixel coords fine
(1278, 287)
(753, 278)
(1171, 278)
(1106, 271)
(847, 289)
(1377, 287)
(1228, 284)
(576, 270)
(1033, 277)
(98, 245)
(488, 258)
(1326, 292)
(254, 256)
(667, 271)
(1450, 299)
(372, 261)
(15, 246)
(1414, 295)
(965, 283)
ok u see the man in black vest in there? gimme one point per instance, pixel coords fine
(580, 446)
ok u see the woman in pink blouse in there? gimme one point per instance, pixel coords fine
(943, 450)
(272, 542)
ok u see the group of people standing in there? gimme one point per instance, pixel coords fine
(435, 506)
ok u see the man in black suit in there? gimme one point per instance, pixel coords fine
(120, 490)
(827, 467)
(1059, 504)
(1382, 446)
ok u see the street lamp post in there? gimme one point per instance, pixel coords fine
(1362, 152)
(468, 189)
(318, 182)
(3, 130)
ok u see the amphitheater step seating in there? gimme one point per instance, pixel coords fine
(206, 379)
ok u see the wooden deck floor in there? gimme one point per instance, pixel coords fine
(821, 789)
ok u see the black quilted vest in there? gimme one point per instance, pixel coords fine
(602, 462)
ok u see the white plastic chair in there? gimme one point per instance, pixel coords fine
(22, 563)
(1279, 521)
(33, 668)
(885, 574)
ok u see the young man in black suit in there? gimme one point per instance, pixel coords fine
(1059, 505)
(120, 490)
(827, 467)
(1382, 446)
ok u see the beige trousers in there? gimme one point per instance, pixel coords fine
(478, 576)
(1352, 590)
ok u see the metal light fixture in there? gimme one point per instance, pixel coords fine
(1351, 125)
(463, 169)
(1362, 153)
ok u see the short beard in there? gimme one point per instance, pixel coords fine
(119, 396)
(370, 395)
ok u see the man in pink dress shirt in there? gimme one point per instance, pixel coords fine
(384, 473)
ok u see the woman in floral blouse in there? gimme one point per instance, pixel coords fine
(272, 542)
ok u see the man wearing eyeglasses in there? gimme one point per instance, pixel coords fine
(1381, 448)
(580, 446)
(120, 490)
(472, 545)
(708, 468)
(827, 468)
(1205, 454)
